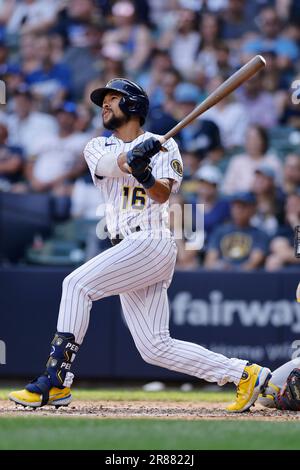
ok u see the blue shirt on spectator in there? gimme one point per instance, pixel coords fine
(235, 244)
(48, 82)
(281, 46)
(218, 214)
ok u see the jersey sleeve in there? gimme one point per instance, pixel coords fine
(92, 153)
(169, 164)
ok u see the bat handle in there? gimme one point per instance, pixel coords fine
(162, 141)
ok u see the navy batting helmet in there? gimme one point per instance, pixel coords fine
(134, 102)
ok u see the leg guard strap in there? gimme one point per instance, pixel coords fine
(42, 386)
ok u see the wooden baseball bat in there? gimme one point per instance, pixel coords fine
(233, 82)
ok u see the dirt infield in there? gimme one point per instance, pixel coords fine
(149, 409)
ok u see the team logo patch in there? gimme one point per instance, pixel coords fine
(177, 167)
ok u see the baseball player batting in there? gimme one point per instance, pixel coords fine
(136, 177)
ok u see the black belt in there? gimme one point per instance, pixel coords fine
(119, 237)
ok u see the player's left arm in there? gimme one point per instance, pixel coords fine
(161, 190)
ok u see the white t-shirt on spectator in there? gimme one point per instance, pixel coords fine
(29, 132)
(240, 173)
(232, 120)
(183, 52)
(31, 14)
(57, 155)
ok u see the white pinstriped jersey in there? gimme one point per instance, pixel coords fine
(126, 202)
(139, 269)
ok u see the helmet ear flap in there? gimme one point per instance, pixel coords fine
(134, 105)
(129, 105)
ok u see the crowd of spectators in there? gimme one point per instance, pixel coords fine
(241, 159)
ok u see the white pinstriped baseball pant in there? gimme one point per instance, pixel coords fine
(140, 270)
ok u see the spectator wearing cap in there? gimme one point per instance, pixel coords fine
(134, 37)
(282, 251)
(216, 208)
(291, 173)
(11, 161)
(202, 135)
(57, 161)
(28, 127)
(240, 172)
(229, 115)
(237, 245)
(270, 201)
(51, 81)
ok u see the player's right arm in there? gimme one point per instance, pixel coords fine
(101, 163)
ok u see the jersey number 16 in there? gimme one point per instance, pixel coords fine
(133, 197)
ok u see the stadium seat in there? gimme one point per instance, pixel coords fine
(56, 253)
(22, 216)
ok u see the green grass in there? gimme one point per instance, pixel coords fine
(84, 433)
(58, 432)
(139, 395)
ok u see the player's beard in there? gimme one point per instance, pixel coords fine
(115, 122)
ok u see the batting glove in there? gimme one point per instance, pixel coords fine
(138, 159)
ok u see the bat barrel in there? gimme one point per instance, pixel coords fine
(233, 82)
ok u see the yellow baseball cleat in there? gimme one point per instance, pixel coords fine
(57, 397)
(252, 383)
